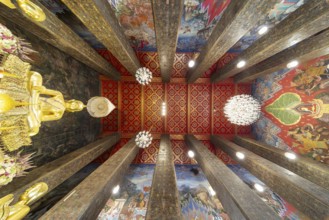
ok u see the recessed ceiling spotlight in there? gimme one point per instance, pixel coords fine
(240, 155)
(190, 154)
(116, 189)
(290, 155)
(211, 191)
(292, 64)
(191, 63)
(241, 64)
(258, 187)
(263, 30)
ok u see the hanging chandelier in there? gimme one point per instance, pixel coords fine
(143, 76)
(143, 139)
(242, 110)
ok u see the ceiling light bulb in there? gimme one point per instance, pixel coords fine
(116, 189)
(292, 64)
(190, 154)
(290, 155)
(211, 191)
(191, 63)
(240, 155)
(258, 187)
(241, 64)
(263, 30)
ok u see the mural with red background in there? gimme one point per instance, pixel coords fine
(295, 109)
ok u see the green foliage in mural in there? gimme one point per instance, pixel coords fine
(282, 108)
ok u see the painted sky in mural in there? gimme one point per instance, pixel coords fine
(282, 207)
(295, 109)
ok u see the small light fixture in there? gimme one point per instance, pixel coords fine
(190, 154)
(290, 155)
(143, 139)
(263, 30)
(191, 63)
(116, 189)
(211, 191)
(292, 64)
(258, 187)
(241, 64)
(163, 109)
(240, 155)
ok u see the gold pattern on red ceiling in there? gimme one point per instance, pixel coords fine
(150, 61)
(139, 108)
(149, 155)
(191, 108)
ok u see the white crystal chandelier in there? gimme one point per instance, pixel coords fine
(143, 139)
(242, 110)
(143, 76)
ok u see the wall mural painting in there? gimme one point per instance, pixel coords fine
(136, 19)
(198, 20)
(195, 195)
(131, 202)
(279, 12)
(284, 209)
(295, 104)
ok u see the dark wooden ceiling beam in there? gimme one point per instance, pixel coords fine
(56, 33)
(306, 21)
(308, 49)
(164, 200)
(167, 16)
(306, 196)
(101, 21)
(237, 20)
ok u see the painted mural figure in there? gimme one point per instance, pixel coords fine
(310, 137)
(313, 78)
(297, 104)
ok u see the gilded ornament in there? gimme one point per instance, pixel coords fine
(28, 8)
(20, 209)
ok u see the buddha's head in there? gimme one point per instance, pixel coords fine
(74, 105)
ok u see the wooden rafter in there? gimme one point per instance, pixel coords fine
(167, 16)
(56, 33)
(308, 49)
(237, 20)
(306, 21)
(100, 19)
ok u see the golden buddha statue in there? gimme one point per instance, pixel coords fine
(48, 108)
(29, 9)
(20, 209)
(25, 103)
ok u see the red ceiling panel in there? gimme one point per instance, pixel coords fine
(148, 155)
(153, 98)
(180, 64)
(177, 108)
(180, 153)
(131, 113)
(150, 60)
(222, 92)
(110, 91)
(200, 96)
